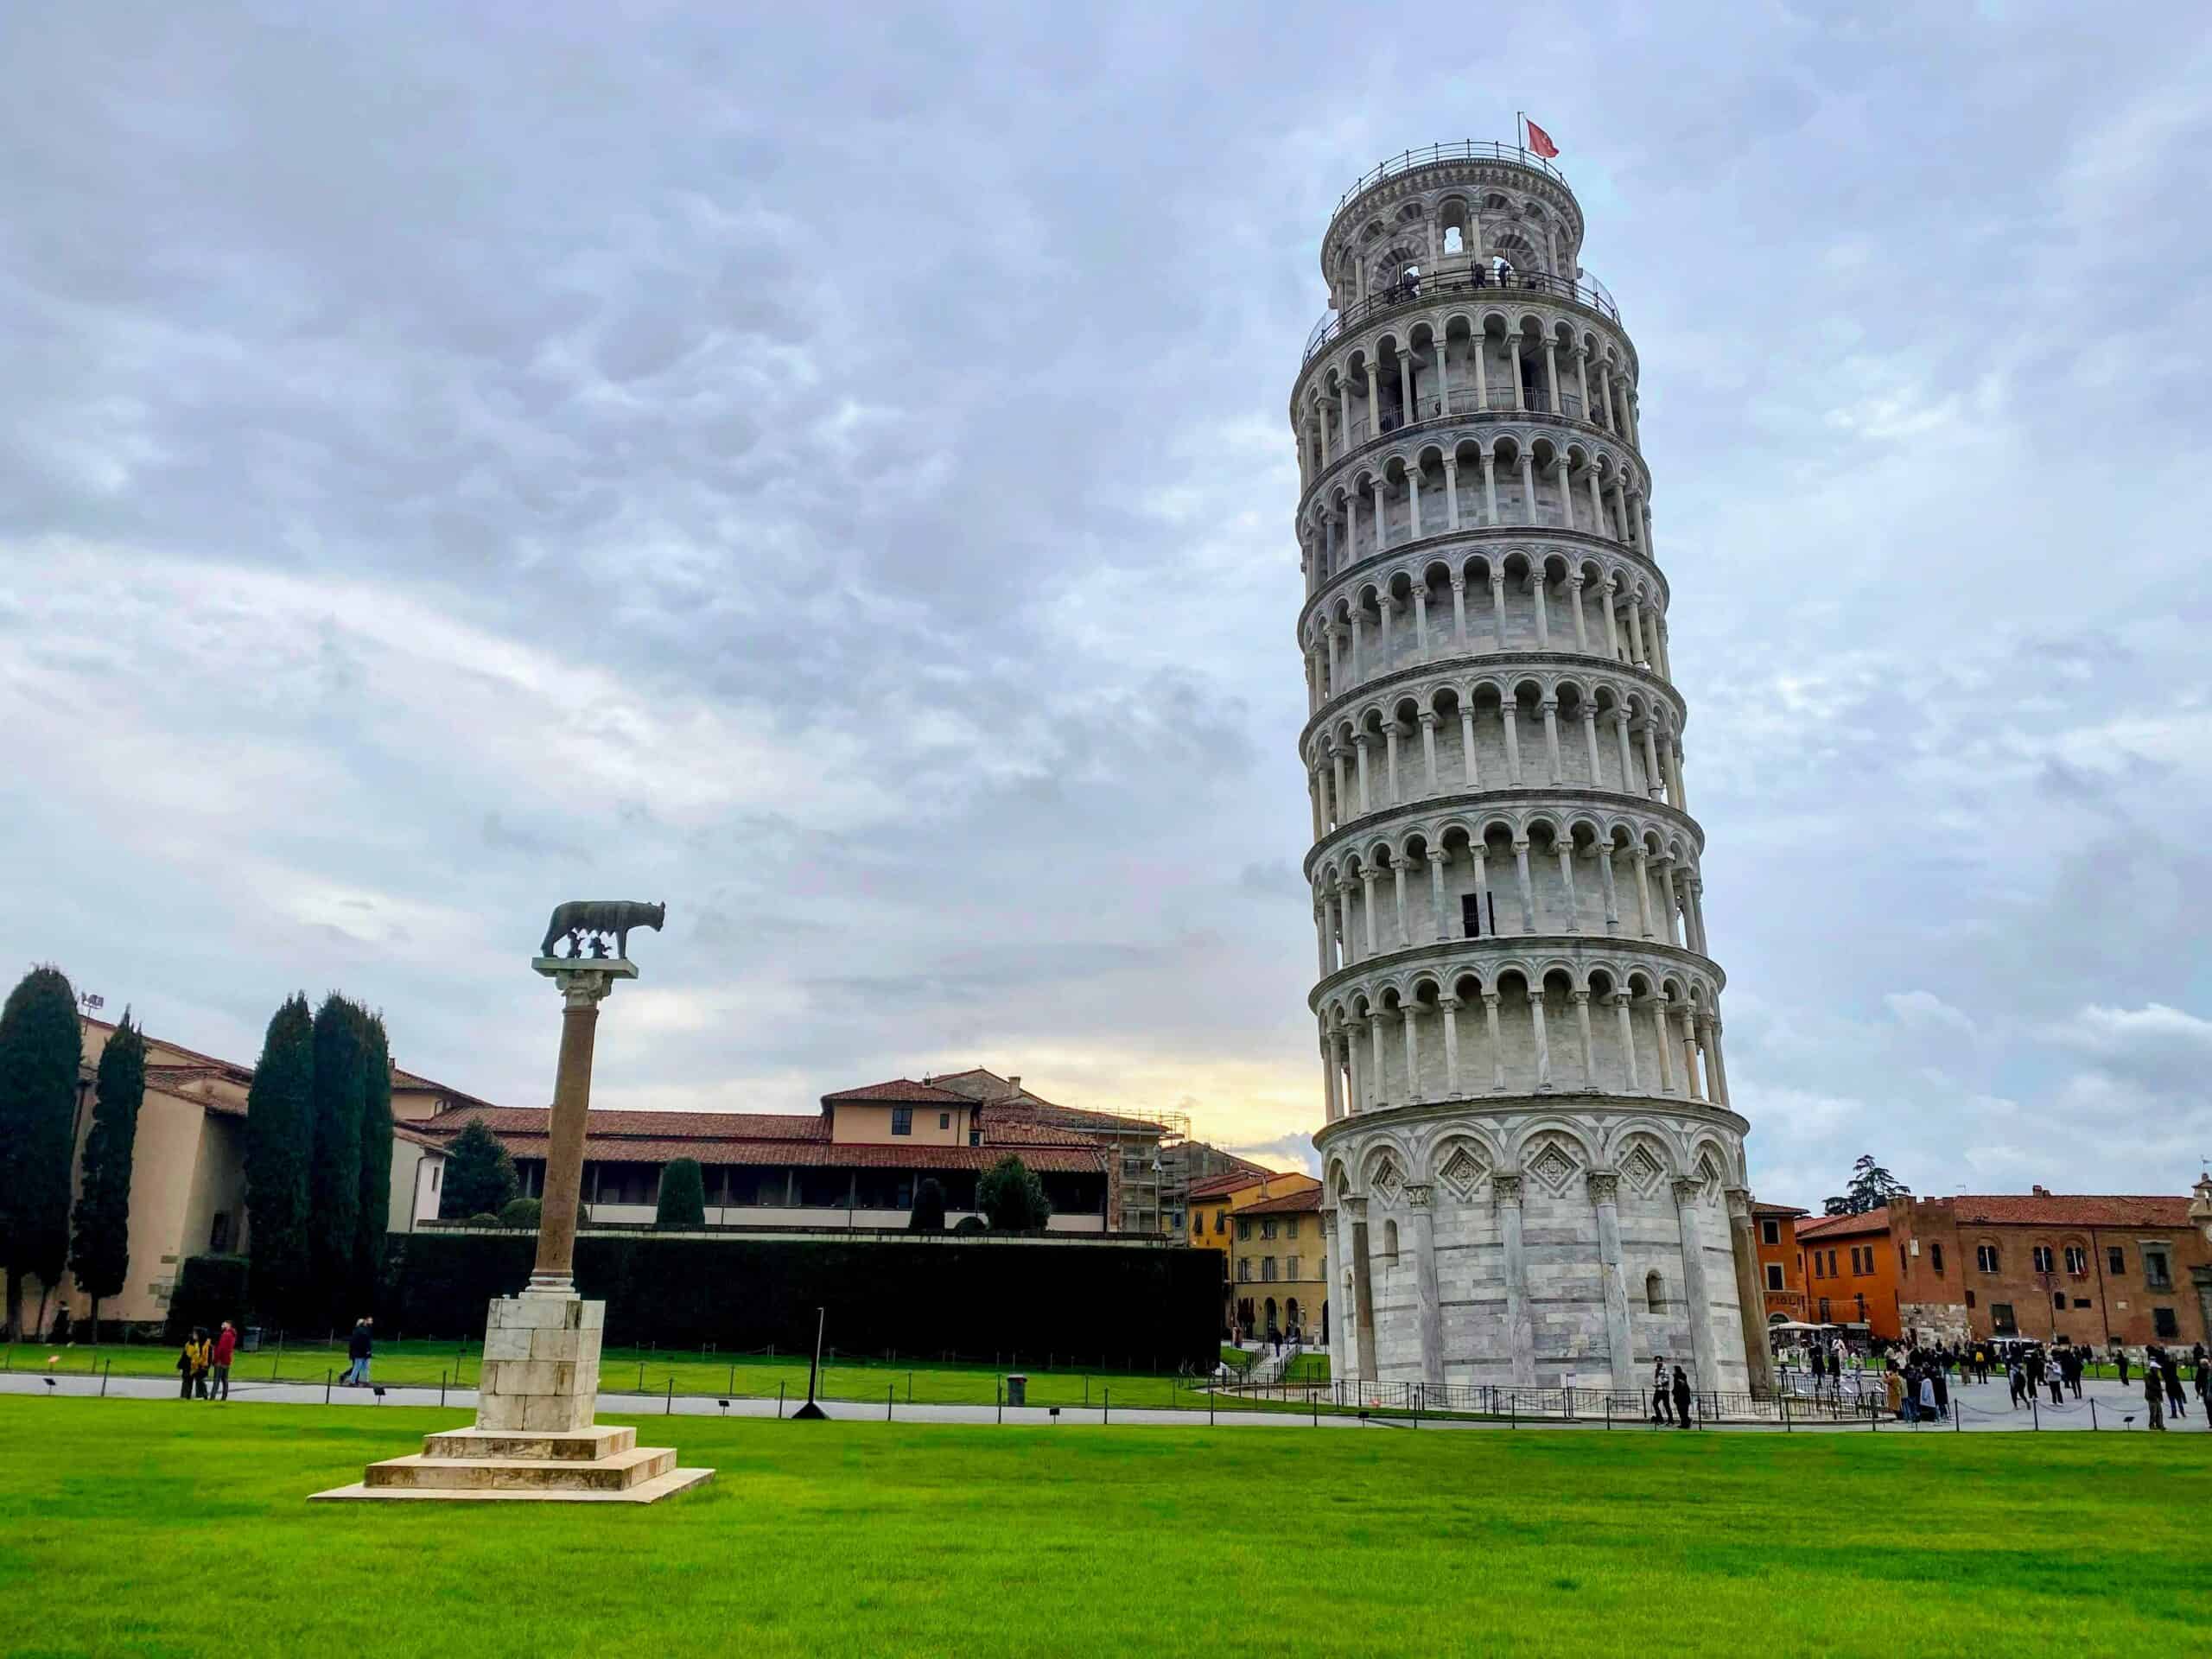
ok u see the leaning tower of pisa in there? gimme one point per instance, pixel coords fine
(1532, 1173)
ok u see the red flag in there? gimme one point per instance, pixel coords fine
(1541, 142)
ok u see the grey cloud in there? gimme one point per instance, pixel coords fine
(877, 394)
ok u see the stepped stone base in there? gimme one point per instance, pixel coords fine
(534, 1442)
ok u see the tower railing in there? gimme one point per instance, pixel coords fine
(1420, 291)
(1468, 149)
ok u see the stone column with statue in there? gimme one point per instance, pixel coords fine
(534, 1438)
(2199, 1215)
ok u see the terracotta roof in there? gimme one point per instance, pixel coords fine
(504, 1121)
(1006, 1122)
(756, 1137)
(898, 1090)
(1289, 1204)
(1874, 1221)
(1763, 1209)
(1236, 1180)
(415, 1082)
(819, 1154)
(408, 1132)
(2068, 1209)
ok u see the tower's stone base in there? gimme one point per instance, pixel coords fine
(534, 1440)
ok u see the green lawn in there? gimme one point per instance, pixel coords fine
(161, 1528)
(632, 1369)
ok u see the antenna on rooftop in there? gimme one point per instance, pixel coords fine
(91, 1001)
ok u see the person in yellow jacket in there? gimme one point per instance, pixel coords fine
(192, 1364)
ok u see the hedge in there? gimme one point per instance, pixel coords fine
(209, 1289)
(1153, 1306)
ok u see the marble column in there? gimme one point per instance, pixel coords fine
(1363, 1282)
(1520, 1325)
(1749, 1299)
(1695, 1291)
(1620, 1339)
(1428, 1298)
(583, 986)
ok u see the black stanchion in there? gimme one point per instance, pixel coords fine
(326, 1387)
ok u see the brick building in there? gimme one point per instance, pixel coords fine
(2091, 1268)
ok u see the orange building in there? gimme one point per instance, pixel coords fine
(1781, 1262)
(1852, 1272)
(1216, 1199)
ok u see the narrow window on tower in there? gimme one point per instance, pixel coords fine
(1470, 914)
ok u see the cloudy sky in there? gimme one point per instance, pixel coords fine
(830, 473)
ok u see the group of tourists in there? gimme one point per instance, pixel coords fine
(2163, 1395)
(1672, 1398)
(204, 1366)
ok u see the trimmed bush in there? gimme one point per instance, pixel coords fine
(1012, 1197)
(483, 1218)
(480, 1173)
(1156, 1306)
(521, 1213)
(971, 1225)
(682, 1195)
(928, 1213)
(209, 1289)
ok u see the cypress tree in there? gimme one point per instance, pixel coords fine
(479, 1174)
(682, 1195)
(1012, 1197)
(335, 1169)
(100, 1252)
(375, 1221)
(928, 1216)
(279, 1149)
(42, 1047)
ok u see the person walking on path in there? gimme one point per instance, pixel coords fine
(219, 1363)
(2154, 1398)
(2176, 1401)
(1942, 1392)
(360, 1349)
(1928, 1394)
(1682, 1398)
(2018, 1377)
(1661, 1405)
(1893, 1386)
(2057, 1381)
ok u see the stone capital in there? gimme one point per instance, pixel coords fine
(1449, 1004)
(1740, 1204)
(1356, 1204)
(1419, 1196)
(1506, 1186)
(1438, 856)
(584, 982)
(1605, 1185)
(1686, 1188)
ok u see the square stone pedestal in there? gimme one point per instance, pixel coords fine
(534, 1440)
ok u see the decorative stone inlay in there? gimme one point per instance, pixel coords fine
(1641, 1172)
(1463, 1171)
(1554, 1167)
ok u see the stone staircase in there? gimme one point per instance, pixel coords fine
(587, 1466)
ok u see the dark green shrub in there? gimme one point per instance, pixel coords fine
(682, 1195)
(521, 1213)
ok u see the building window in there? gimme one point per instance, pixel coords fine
(1985, 1260)
(2158, 1268)
(2043, 1258)
(1774, 1275)
(2081, 1301)
(1390, 1239)
(1770, 1232)
(2115, 1259)
(2077, 1259)
(2001, 1322)
(1290, 1230)
(1267, 1228)
(1655, 1294)
(2058, 1301)
(1969, 1299)
(1290, 1271)
(944, 1120)
(2163, 1322)
(1267, 1270)
(902, 1119)
(1220, 1222)
(1243, 1227)
(1244, 1268)
(1935, 1258)
(436, 1170)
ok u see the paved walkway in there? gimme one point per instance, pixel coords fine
(1984, 1409)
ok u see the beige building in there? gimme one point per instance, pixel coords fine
(188, 1171)
(1278, 1271)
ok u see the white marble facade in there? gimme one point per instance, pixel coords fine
(1533, 1174)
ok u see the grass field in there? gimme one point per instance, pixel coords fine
(631, 1369)
(163, 1528)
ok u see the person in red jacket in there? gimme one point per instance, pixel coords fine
(219, 1378)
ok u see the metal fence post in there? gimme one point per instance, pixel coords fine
(1106, 1406)
(889, 1394)
(2034, 1411)
(670, 1409)
(2093, 1413)
(441, 1389)
(106, 1372)
(779, 1401)
(326, 1387)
